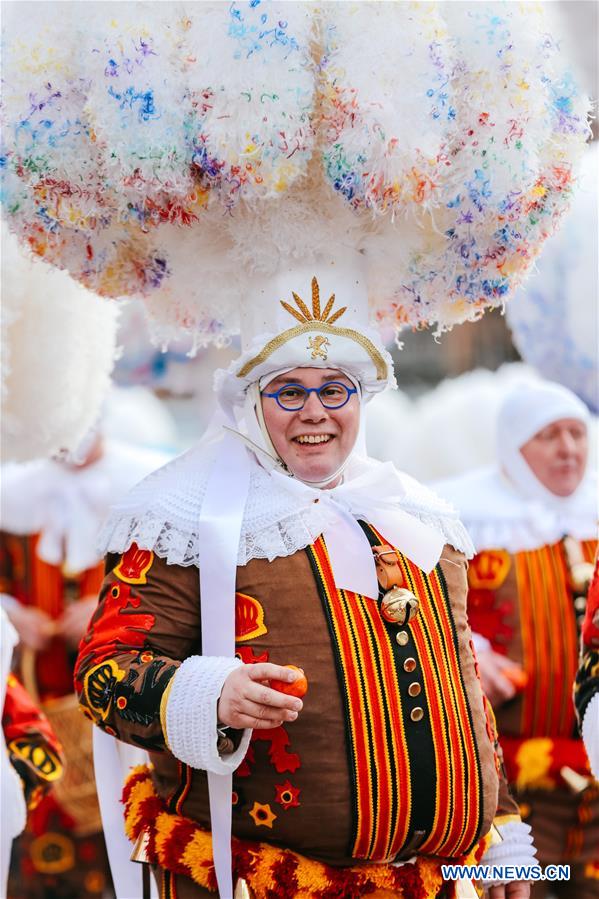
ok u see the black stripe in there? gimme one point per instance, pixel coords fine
(421, 745)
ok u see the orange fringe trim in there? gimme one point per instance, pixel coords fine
(181, 846)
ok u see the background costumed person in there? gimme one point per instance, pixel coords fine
(31, 756)
(51, 512)
(339, 566)
(586, 688)
(533, 521)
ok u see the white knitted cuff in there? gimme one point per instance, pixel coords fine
(516, 848)
(590, 734)
(191, 714)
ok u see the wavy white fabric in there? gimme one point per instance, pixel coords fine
(375, 496)
(590, 734)
(14, 810)
(191, 714)
(162, 512)
(516, 848)
(114, 760)
(67, 505)
(498, 516)
(527, 408)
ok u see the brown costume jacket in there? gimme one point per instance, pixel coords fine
(394, 751)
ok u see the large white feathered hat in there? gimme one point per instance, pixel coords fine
(174, 152)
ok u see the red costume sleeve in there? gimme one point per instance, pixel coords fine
(32, 745)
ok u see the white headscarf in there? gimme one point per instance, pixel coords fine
(527, 409)
(253, 426)
(506, 506)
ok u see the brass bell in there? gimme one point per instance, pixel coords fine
(581, 574)
(399, 606)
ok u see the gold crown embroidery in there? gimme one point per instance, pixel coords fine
(304, 315)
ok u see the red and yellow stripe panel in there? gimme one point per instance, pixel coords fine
(380, 743)
(549, 639)
(373, 703)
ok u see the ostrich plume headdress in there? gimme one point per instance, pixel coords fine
(171, 151)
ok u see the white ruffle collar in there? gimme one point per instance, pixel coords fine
(162, 512)
(498, 517)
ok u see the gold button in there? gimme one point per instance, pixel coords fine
(417, 714)
(409, 664)
(402, 638)
(414, 689)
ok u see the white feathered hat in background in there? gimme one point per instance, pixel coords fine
(554, 318)
(58, 348)
(174, 153)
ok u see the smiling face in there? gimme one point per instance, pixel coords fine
(557, 455)
(313, 442)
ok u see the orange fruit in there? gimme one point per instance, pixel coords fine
(297, 688)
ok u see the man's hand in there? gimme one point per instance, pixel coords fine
(246, 699)
(74, 620)
(34, 627)
(498, 689)
(518, 889)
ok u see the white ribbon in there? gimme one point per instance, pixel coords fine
(374, 497)
(113, 761)
(219, 531)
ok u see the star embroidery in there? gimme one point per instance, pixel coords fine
(287, 795)
(262, 815)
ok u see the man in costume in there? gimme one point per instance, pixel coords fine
(310, 554)
(533, 522)
(50, 572)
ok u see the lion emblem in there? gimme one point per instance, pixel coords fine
(318, 345)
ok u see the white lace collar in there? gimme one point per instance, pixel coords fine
(162, 512)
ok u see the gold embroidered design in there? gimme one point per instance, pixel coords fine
(316, 320)
(318, 345)
(304, 314)
(286, 336)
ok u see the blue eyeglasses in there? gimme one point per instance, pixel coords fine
(293, 397)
